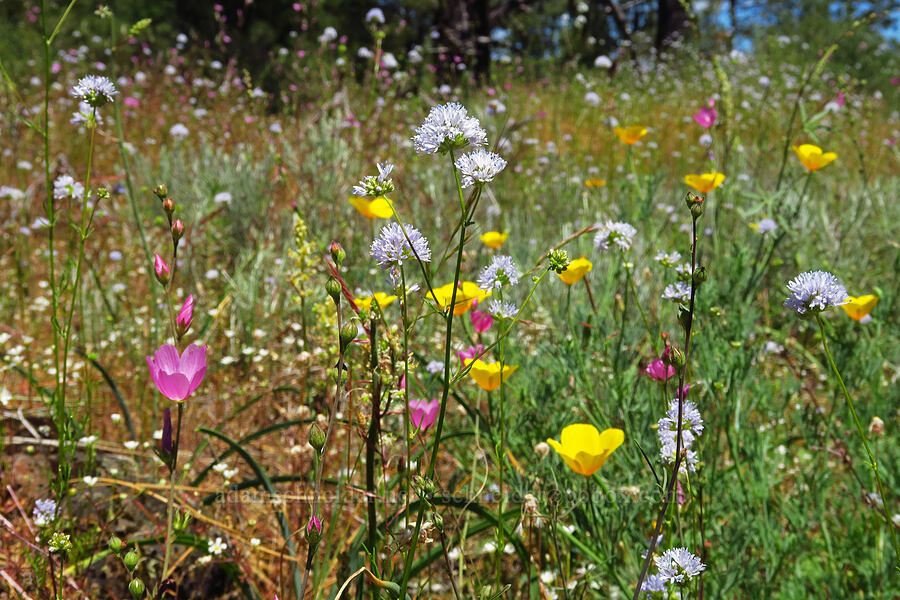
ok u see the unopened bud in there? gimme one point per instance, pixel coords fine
(115, 544)
(695, 204)
(177, 230)
(559, 260)
(185, 316)
(316, 437)
(169, 206)
(136, 587)
(337, 253)
(348, 334)
(333, 287)
(700, 276)
(161, 269)
(676, 358)
(131, 561)
(684, 317)
(161, 191)
(313, 532)
(876, 427)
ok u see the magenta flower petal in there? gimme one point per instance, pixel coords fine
(167, 358)
(174, 386)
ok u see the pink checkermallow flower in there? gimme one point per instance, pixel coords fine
(177, 377)
(481, 320)
(470, 352)
(423, 413)
(185, 316)
(161, 269)
(706, 117)
(659, 370)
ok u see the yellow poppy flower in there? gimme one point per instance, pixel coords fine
(467, 292)
(630, 135)
(584, 448)
(706, 182)
(812, 157)
(381, 298)
(577, 269)
(859, 307)
(487, 375)
(379, 207)
(595, 182)
(493, 239)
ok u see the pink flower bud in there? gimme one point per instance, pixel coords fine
(314, 524)
(185, 316)
(161, 269)
(177, 230)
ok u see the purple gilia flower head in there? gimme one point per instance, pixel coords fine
(815, 291)
(392, 247)
(667, 431)
(653, 584)
(611, 232)
(502, 309)
(677, 292)
(376, 185)
(668, 259)
(375, 15)
(65, 186)
(479, 167)
(44, 512)
(448, 127)
(502, 271)
(766, 225)
(677, 565)
(96, 90)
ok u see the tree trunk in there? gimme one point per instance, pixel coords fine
(671, 21)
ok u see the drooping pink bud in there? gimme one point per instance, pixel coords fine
(161, 269)
(185, 316)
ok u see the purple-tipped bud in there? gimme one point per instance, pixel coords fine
(177, 230)
(185, 316)
(166, 442)
(161, 269)
(314, 532)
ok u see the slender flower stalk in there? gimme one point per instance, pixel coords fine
(862, 436)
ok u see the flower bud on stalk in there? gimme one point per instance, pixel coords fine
(137, 588)
(333, 287)
(161, 191)
(161, 269)
(337, 253)
(185, 316)
(316, 438)
(177, 231)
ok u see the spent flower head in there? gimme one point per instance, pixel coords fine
(376, 185)
(448, 127)
(479, 167)
(393, 246)
(59, 543)
(96, 90)
(616, 233)
(559, 260)
(502, 271)
(815, 291)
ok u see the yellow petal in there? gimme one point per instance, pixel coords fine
(630, 135)
(859, 307)
(493, 239)
(812, 157)
(595, 182)
(706, 182)
(570, 460)
(584, 448)
(576, 270)
(372, 208)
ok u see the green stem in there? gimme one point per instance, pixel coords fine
(653, 340)
(406, 423)
(862, 436)
(170, 506)
(445, 392)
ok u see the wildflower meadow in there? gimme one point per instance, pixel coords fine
(465, 299)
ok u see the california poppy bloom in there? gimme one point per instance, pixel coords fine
(859, 307)
(812, 156)
(466, 293)
(488, 375)
(493, 239)
(706, 182)
(630, 135)
(381, 298)
(576, 271)
(584, 448)
(379, 207)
